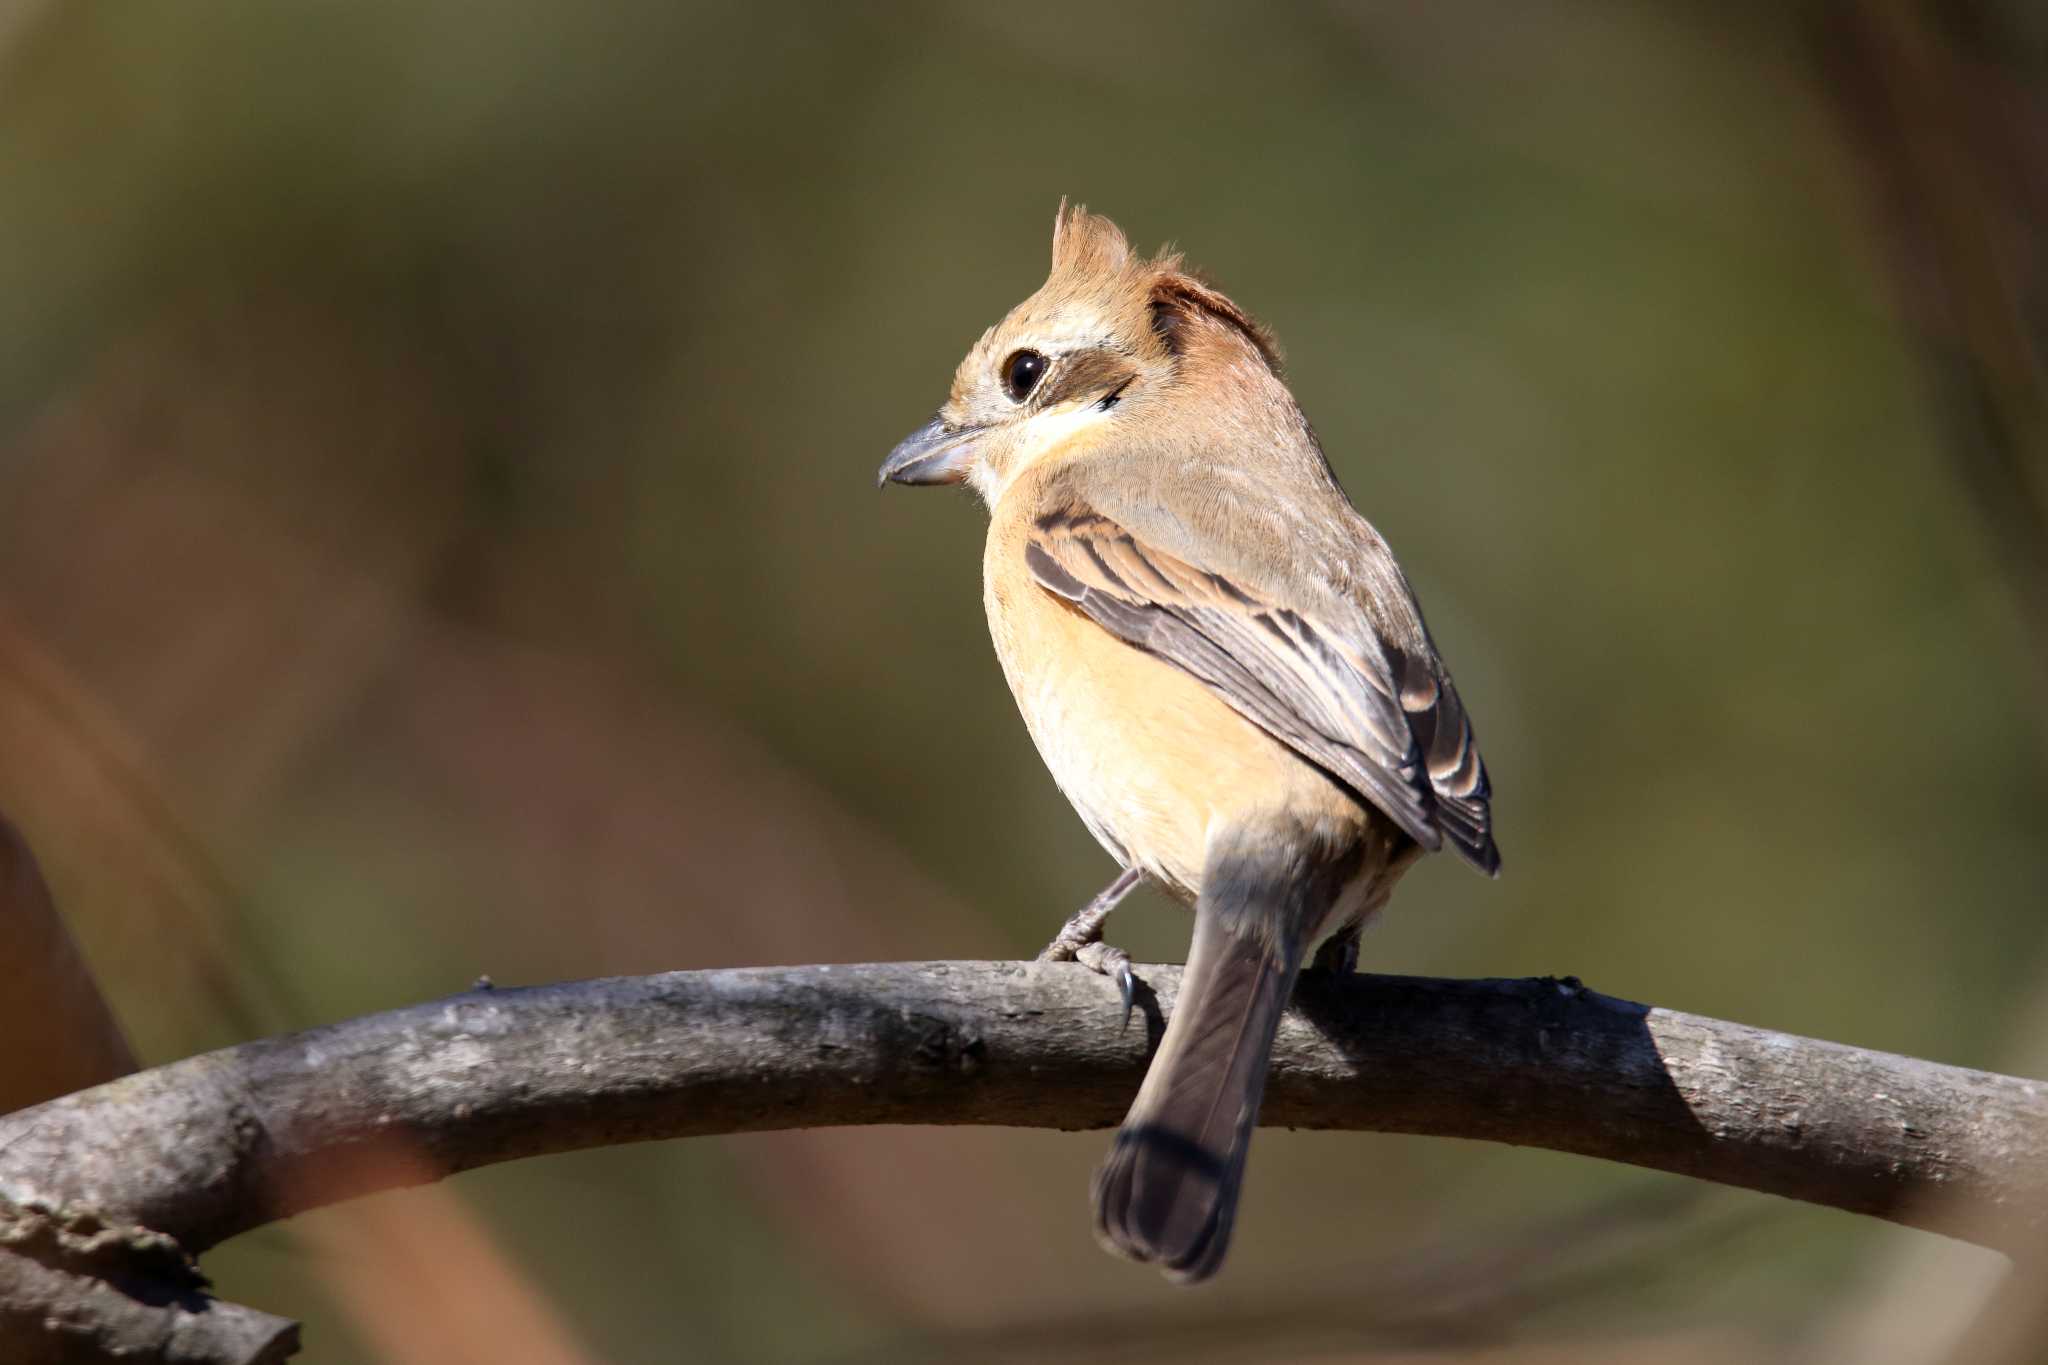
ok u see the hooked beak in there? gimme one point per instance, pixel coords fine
(935, 453)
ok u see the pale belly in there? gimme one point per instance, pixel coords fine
(1149, 757)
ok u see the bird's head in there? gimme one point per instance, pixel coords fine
(1112, 341)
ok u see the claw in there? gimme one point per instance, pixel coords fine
(1114, 963)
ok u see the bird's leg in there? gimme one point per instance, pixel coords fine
(1080, 939)
(1085, 927)
(1339, 953)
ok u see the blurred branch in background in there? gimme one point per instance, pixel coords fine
(61, 749)
(1951, 137)
(426, 1282)
(1440, 1301)
(204, 1149)
(57, 1032)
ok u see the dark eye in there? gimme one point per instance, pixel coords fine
(1021, 373)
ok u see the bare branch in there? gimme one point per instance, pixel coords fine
(218, 1144)
(76, 1289)
(215, 1145)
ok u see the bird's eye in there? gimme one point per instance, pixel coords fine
(1021, 373)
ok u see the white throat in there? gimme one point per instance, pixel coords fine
(1041, 435)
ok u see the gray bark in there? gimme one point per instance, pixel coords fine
(214, 1145)
(76, 1290)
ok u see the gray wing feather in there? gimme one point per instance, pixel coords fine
(1381, 721)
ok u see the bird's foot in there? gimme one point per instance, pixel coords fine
(1114, 963)
(1080, 939)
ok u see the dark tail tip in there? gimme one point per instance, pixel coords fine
(1169, 1202)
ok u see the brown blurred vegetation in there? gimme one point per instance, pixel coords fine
(436, 538)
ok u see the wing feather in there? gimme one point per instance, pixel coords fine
(1380, 720)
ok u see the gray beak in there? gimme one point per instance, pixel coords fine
(934, 453)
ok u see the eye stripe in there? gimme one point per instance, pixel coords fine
(1091, 374)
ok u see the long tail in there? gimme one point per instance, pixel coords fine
(1168, 1191)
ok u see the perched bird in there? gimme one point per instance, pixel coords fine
(1221, 664)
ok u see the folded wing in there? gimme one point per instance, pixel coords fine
(1379, 719)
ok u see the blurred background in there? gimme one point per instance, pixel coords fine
(438, 537)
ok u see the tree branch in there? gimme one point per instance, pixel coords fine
(75, 1289)
(218, 1144)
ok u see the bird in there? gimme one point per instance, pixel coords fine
(1222, 665)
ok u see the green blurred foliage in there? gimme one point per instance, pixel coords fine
(436, 441)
